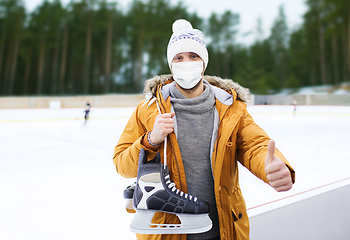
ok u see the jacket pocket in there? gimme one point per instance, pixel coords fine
(239, 215)
(236, 216)
(238, 207)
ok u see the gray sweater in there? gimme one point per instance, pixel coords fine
(195, 120)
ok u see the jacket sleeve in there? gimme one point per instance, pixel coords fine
(133, 138)
(252, 147)
(128, 148)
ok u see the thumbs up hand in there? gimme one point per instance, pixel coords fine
(276, 170)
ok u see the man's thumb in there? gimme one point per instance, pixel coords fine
(270, 152)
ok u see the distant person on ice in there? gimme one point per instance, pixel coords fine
(295, 103)
(209, 132)
(87, 111)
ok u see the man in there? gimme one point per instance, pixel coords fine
(208, 131)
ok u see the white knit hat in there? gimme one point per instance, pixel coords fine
(186, 39)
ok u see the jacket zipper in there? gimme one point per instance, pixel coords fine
(217, 140)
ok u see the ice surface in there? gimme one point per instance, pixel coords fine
(58, 181)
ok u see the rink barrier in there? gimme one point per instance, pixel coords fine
(303, 99)
(131, 100)
(318, 213)
(61, 119)
(111, 100)
(127, 117)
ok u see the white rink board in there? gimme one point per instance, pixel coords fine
(305, 214)
(58, 180)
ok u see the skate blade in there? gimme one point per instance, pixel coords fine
(190, 223)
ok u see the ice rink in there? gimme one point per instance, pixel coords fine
(58, 180)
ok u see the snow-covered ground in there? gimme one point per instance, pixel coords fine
(341, 89)
(58, 181)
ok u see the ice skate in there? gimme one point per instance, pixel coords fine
(128, 195)
(155, 192)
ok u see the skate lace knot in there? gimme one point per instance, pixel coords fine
(173, 188)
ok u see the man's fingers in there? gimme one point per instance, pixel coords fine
(284, 188)
(165, 117)
(277, 172)
(278, 175)
(274, 166)
(281, 185)
(163, 125)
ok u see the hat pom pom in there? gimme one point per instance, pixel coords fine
(180, 24)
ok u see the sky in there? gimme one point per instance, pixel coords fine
(249, 11)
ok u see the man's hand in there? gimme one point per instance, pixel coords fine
(276, 170)
(163, 125)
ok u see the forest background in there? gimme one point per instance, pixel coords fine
(96, 47)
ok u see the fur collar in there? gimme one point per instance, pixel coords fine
(225, 84)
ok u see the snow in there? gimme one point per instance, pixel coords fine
(342, 89)
(322, 89)
(341, 92)
(58, 180)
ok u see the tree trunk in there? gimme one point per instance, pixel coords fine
(88, 54)
(63, 59)
(313, 75)
(345, 55)
(138, 69)
(8, 68)
(27, 69)
(55, 65)
(41, 65)
(13, 65)
(108, 55)
(282, 69)
(2, 45)
(218, 62)
(226, 64)
(139, 59)
(335, 59)
(322, 51)
(349, 44)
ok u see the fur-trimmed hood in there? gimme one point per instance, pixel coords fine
(224, 84)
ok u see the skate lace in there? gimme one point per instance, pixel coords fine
(171, 184)
(173, 188)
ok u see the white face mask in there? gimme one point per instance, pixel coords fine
(187, 74)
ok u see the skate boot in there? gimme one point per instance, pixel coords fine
(155, 192)
(128, 195)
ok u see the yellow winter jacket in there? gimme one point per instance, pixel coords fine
(238, 139)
